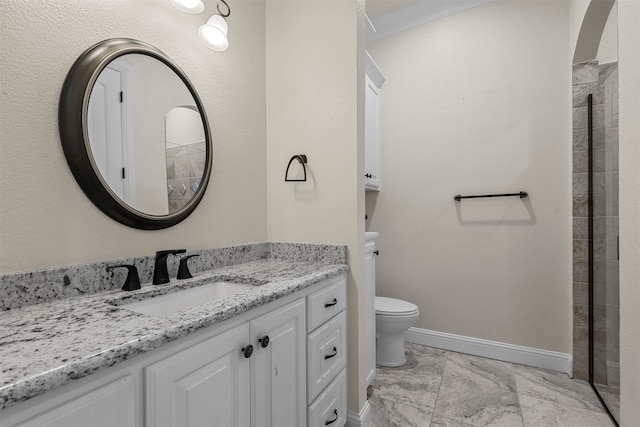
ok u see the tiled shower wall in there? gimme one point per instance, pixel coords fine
(185, 165)
(601, 81)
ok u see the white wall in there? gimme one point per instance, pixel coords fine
(315, 108)
(315, 95)
(45, 218)
(477, 103)
(629, 88)
(608, 48)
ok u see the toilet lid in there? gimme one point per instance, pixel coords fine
(392, 306)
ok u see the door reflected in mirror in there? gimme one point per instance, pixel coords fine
(146, 135)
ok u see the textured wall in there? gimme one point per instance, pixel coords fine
(315, 92)
(477, 103)
(629, 87)
(45, 218)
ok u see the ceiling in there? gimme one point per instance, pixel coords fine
(392, 16)
(376, 8)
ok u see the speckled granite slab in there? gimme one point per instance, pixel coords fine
(46, 345)
(24, 289)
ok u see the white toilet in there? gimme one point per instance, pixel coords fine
(393, 317)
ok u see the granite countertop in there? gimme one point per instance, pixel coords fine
(47, 345)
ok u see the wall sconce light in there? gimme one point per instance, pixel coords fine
(214, 32)
(189, 6)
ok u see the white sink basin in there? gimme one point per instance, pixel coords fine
(183, 300)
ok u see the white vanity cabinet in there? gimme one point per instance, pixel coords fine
(251, 375)
(373, 82)
(209, 378)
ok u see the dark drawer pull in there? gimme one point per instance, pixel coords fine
(331, 304)
(329, 356)
(335, 413)
(247, 351)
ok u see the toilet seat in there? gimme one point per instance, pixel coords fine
(394, 307)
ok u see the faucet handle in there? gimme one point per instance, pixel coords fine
(132, 282)
(160, 254)
(183, 269)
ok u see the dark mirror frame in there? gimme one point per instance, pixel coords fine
(72, 122)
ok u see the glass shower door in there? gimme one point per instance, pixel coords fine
(604, 313)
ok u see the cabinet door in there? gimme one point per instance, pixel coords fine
(279, 393)
(370, 311)
(95, 408)
(372, 136)
(204, 385)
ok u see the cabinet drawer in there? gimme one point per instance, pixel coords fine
(326, 303)
(329, 408)
(326, 354)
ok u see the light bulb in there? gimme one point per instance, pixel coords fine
(214, 33)
(189, 6)
(219, 22)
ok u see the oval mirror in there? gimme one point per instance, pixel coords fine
(135, 134)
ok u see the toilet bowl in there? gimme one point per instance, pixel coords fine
(393, 318)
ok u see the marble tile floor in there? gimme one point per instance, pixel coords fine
(438, 388)
(611, 397)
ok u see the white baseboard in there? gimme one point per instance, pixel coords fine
(529, 356)
(362, 419)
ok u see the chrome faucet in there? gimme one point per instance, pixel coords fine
(160, 272)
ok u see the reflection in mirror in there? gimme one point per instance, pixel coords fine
(186, 154)
(136, 125)
(130, 121)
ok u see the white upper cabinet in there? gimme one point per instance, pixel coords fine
(374, 80)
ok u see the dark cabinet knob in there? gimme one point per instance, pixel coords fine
(376, 252)
(368, 175)
(264, 341)
(247, 351)
(331, 304)
(335, 418)
(334, 354)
